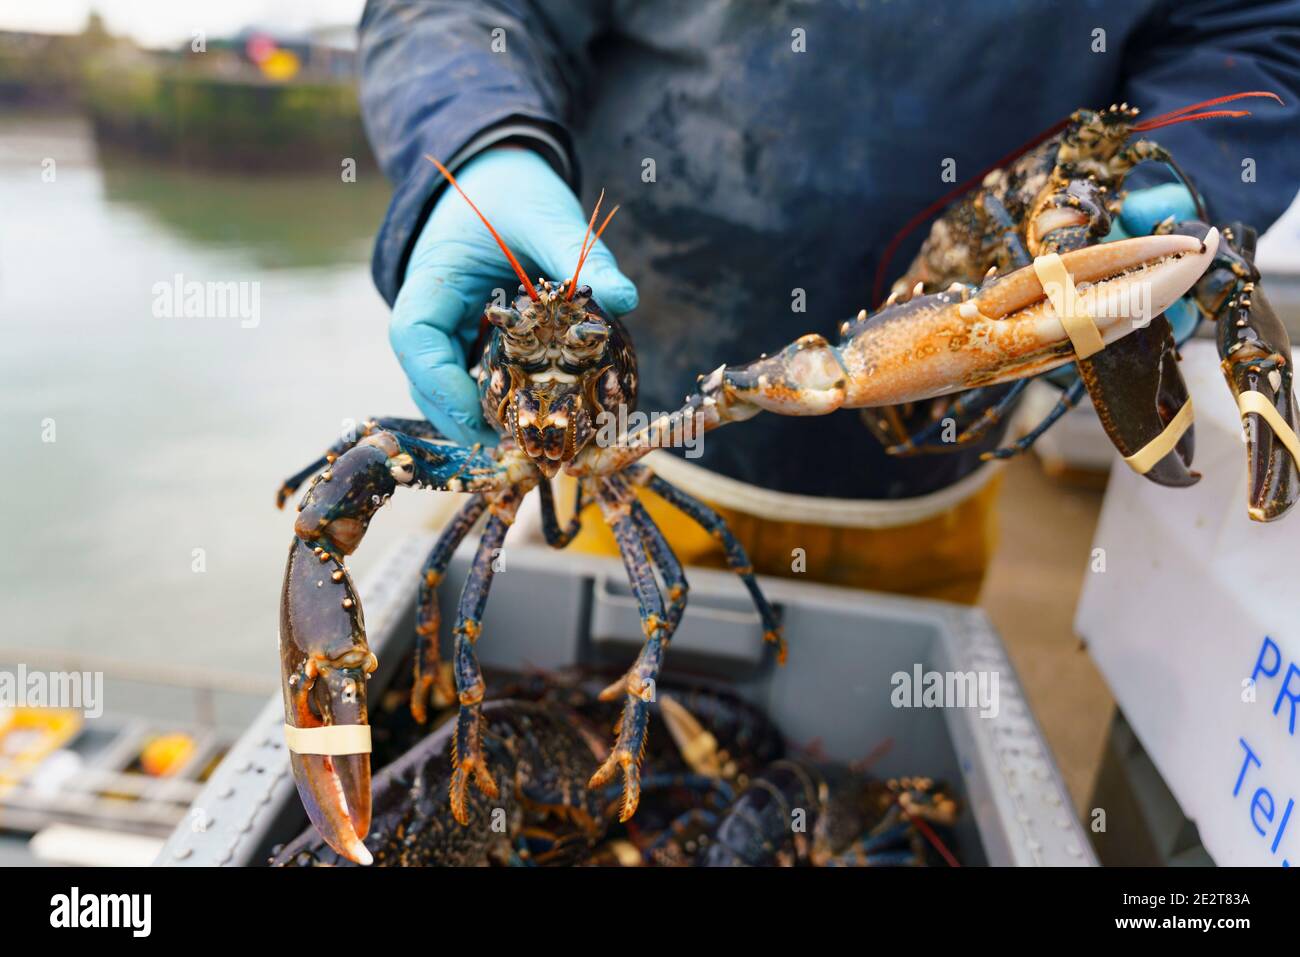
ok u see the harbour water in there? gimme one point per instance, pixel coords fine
(143, 442)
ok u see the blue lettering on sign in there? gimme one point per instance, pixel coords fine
(1263, 808)
(1290, 806)
(1250, 756)
(1293, 696)
(1268, 664)
(1257, 804)
(1264, 649)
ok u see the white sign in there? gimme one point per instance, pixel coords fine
(1195, 622)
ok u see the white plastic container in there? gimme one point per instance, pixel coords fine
(550, 611)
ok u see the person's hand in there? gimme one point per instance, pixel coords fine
(455, 265)
(1143, 211)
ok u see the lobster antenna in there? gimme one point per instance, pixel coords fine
(1188, 114)
(519, 270)
(573, 283)
(586, 252)
(1211, 115)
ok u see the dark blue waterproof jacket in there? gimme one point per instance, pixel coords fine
(790, 141)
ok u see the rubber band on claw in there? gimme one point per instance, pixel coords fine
(330, 739)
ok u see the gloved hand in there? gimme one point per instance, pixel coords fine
(1143, 211)
(455, 265)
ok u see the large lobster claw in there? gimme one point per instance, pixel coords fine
(1138, 391)
(1256, 360)
(324, 658)
(324, 662)
(1006, 329)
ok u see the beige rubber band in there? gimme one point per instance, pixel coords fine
(332, 739)
(1145, 458)
(1058, 284)
(1258, 403)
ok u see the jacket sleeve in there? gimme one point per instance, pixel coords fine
(1194, 50)
(452, 77)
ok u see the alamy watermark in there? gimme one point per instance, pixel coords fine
(1131, 301)
(133, 912)
(946, 689)
(664, 430)
(193, 299)
(74, 690)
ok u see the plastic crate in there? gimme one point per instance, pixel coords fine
(550, 609)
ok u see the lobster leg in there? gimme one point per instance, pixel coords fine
(690, 823)
(615, 500)
(431, 684)
(467, 754)
(671, 574)
(324, 657)
(737, 560)
(413, 427)
(1068, 400)
(976, 411)
(670, 568)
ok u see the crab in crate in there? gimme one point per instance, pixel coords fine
(553, 362)
(1059, 194)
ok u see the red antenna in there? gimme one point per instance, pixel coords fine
(519, 270)
(586, 249)
(1187, 113)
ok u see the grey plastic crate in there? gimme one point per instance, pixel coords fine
(550, 609)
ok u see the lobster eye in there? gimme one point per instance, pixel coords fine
(513, 322)
(584, 291)
(589, 333)
(501, 318)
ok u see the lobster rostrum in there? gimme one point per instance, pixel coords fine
(1059, 194)
(554, 361)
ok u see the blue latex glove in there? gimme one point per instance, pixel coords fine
(1143, 211)
(455, 266)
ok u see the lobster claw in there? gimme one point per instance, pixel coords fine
(1272, 468)
(325, 662)
(806, 378)
(324, 658)
(1256, 360)
(1138, 392)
